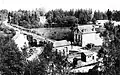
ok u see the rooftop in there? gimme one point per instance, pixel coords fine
(87, 52)
(60, 43)
(87, 28)
(82, 69)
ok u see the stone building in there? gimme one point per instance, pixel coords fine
(85, 34)
(61, 47)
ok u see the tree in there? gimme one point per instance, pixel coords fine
(98, 15)
(12, 61)
(83, 16)
(109, 14)
(71, 12)
(3, 14)
(71, 34)
(111, 49)
(50, 61)
(71, 21)
(116, 15)
(9, 17)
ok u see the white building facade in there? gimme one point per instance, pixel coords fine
(86, 34)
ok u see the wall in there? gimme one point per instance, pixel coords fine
(77, 38)
(64, 51)
(90, 58)
(91, 38)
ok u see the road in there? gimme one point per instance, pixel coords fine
(35, 35)
(37, 50)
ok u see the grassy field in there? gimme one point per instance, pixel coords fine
(54, 33)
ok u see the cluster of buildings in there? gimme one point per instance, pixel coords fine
(83, 59)
(83, 35)
(102, 22)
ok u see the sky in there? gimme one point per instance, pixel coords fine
(102, 5)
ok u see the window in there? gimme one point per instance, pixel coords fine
(79, 37)
(66, 49)
(76, 37)
(93, 57)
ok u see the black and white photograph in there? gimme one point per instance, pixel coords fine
(59, 37)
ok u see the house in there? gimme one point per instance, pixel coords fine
(88, 56)
(101, 22)
(21, 40)
(86, 34)
(116, 23)
(61, 47)
(86, 60)
(85, 56)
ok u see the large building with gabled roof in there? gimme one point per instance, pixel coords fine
(85, 34)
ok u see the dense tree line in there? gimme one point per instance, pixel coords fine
(3, 14)
(55, 18)
(72, 17)
(116, 15)
(110, 50)
(68, 18)
(60, 18)
(81, 16)
(99, 16)
(27, 19)
(11, 60)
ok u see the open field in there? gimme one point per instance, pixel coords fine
(54, 33)
(57, 33)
